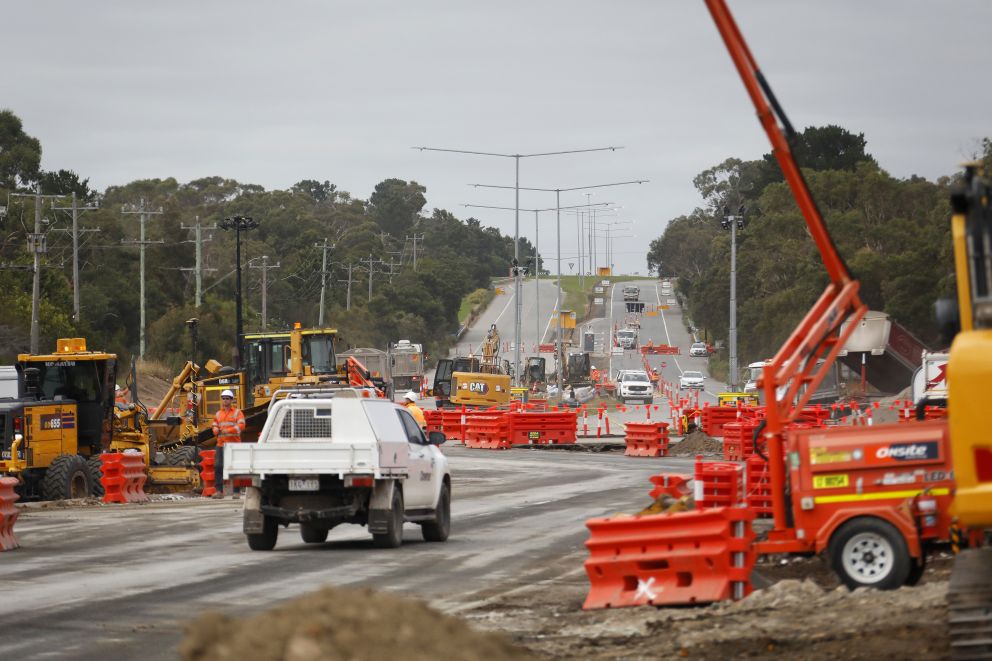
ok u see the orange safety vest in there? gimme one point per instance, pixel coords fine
(228, 425)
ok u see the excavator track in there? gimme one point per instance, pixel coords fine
(969, 605)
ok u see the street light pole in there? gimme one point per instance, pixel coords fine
(559, 350)
(239, 224)
(733, 223)
(516, 231)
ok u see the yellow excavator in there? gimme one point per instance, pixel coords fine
(969, 372)
(475, 382)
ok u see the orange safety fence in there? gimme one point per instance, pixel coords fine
(123, 477)
(646, 439)
(8, 513)
(547, 428)
(694, 557)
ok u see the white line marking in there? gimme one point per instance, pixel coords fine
(668, 340)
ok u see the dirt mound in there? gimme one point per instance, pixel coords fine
(696, 443)
(346, 624)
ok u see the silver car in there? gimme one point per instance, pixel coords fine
(691, 379)
(698, 349)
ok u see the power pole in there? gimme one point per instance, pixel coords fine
(141, 243)
(265, 283)
(198, 269)
(348, 298)
(76, 231)
(37, 245)
(371, 261)
(323, 278)
(415, 238)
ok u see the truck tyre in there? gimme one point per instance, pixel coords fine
(312, 535)
(67, 477)
(438, 529)
(393, 536)
(265, 540)
(95, 468)
(869, 552)
(186, 455)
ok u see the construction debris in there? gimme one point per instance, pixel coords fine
(696, 443)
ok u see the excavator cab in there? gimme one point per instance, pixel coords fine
(442, 375)
(536, 370)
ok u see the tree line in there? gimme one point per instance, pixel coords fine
(894, 235)
(374, 238)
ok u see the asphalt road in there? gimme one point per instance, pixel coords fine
(120, 581)
(535, 320)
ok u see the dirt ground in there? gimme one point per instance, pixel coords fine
(799, 612)
(802, 613)
(695, 443)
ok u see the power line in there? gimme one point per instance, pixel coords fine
(143, 214)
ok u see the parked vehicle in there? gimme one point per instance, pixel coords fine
(333, 457)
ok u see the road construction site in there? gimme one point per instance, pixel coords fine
(93, 580)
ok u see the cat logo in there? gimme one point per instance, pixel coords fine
(478, 387)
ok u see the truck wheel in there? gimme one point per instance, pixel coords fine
(94, 466)
(186, 455)
(67, 477)
(438, 529)
(393, 536)
(265, 540)
(869, 552)
(312, 535)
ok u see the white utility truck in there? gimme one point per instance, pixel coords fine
(325, 458)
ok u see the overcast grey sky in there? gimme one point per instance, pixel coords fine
(271, 93)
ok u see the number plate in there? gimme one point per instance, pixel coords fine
(304, 484)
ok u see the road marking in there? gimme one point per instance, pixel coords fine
(551, 317)
(668, 339)
(608, 343)
(508, 301)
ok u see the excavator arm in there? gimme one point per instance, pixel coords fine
(807, 355)
(359, 376)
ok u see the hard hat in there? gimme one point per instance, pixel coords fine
(117, 387)
(410, 395)
(227, 393)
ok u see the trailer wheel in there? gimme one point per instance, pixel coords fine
(265, 540)
(393, 537)
(67, 477)
(95, 468)
(312, 535)
(438, 529)
(869, 552)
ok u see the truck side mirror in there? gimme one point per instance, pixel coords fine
(436, 438)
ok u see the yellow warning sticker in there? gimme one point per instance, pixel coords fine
(828, 456)
(830, 481)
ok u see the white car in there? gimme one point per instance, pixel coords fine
(634, 384)
(627, 338)
(698, 349)
(690, 380)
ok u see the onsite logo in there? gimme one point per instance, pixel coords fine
(908, 451)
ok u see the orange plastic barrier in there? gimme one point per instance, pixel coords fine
(8, 513)
(208, 460)
(738, 439)
(663, 349)
(692, 557)
(715, 417)
(447, 421)
(123, 477)
(646, 439)
(546, 348)
(758, 486)
(718, 483)
(487, 431)
(536, 428)
(675, 485)
(929, 413)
